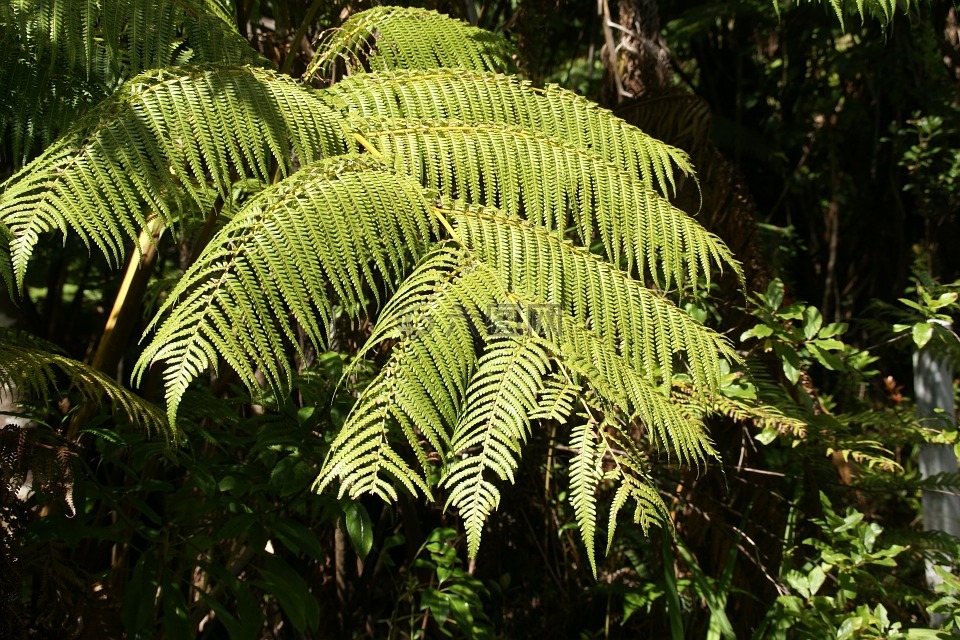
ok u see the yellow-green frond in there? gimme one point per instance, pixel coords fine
(167, 143)
(620, 385)
(477, 97)
(650, 331)
(407, 38)
(586, 471)
(548, 181)
(418, 394)
(30, 366)
(493, 427)
(343, 222)
(556, 399)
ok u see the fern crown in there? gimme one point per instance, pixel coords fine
(512, 246)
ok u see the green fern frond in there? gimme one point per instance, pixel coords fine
(651, 331)
(186, 141)
(882, 10)
(326, 224)
(586, 471)
(493, 426)
(385, 38)
(420, 390)
(601, 369)
(30, 366)
(555, 401)
(547, 180)
(476, 97)
(60, 57)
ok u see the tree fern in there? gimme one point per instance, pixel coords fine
(408, 38)
(429, 202)
(550, 180)
(323, 225)
(493, 427)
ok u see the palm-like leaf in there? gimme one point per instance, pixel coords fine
(166, 144)
(477, 97)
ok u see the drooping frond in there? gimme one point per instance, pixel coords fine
(418, 395)
(493, 426)
(407, 38)
(59, 57)
(166, 143)
(94, 37)
(586, 471)
(476, 97)
(649, 329)
(548, 180)
(333, 223)
(30, 366)
(620, 385)
(634, 484)
(882, 10)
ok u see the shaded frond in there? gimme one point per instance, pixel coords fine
(418, 394)
(493, 427)
(882, 10)
(649, 329)
(753, 412)
(407, 38)
(333, 223)
(165, 143)
(476, 97)
(547, 180)
(30, 366)
(63, 56)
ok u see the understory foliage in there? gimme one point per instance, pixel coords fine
(359, 321)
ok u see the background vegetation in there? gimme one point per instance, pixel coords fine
(825, 147)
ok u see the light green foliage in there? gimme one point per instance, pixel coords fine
(882, 10)
(184, 141)
(386, 38)
(468, 244)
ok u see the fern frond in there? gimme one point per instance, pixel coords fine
(328, 223)
(476, 97)
(620, 385)
(586, 471)
(555, 401)
(650, 329)
(63, 56)
(493, 427)
(546, 179)
(161, 144)
(408, 38)
(30, 366)
(419, 392)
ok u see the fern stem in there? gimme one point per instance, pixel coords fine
(368, 146)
